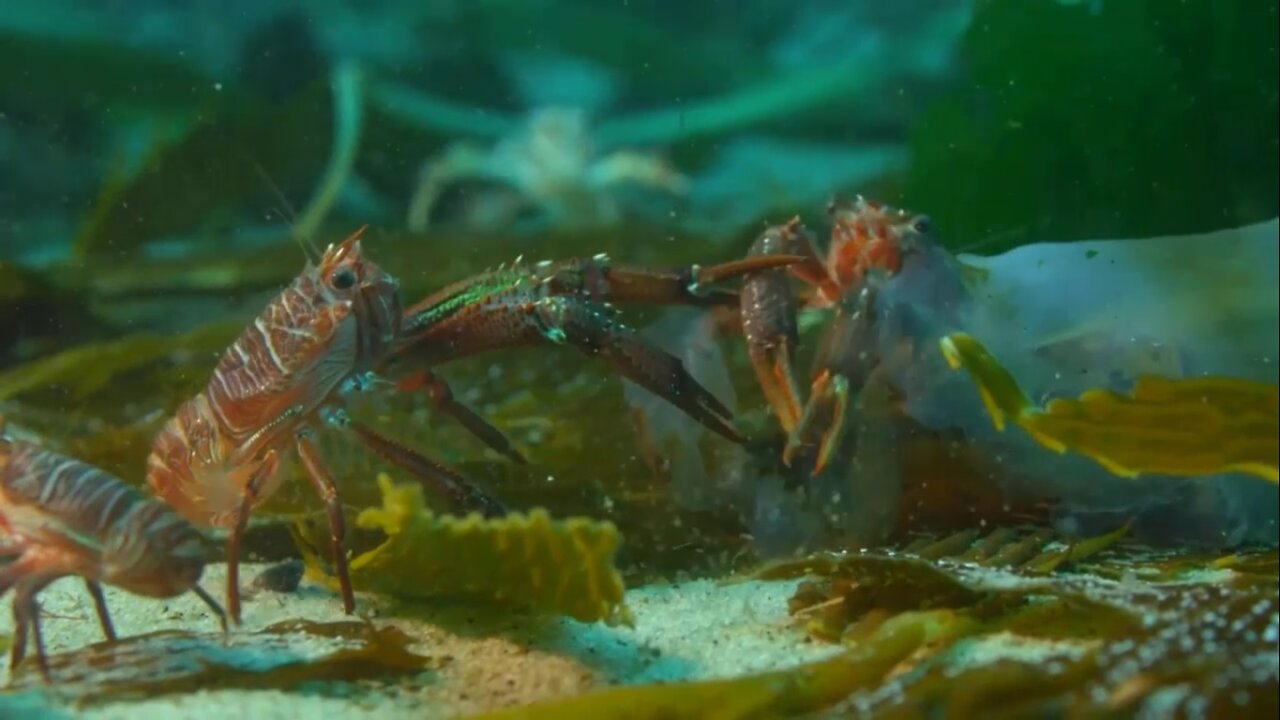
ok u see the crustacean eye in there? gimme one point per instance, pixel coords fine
(922, 225)
(343, 279)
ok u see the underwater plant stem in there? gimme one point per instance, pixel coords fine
(447, 117)
(348, 111)
(780, 97)
(786, 95)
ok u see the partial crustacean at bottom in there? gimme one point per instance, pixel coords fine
(62, 517)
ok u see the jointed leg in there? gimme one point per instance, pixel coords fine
(247, 497)
(845, 361)
(233, 556)
(435, 477)
(21, 628)
(25, 576)
(10, 576)
(26, 616)
(768, 310)
(323, 483)
(100, 604)
(438, 391)
(213, 605)
(598, 279)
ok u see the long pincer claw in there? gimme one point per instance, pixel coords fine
(822, 425)
(768, 310)
(598, 334)
(772, 364)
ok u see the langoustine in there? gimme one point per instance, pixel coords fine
(61, 517)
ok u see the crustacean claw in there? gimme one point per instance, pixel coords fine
(844, 362)
(569, 302)
(594, 331)
(869, 241)
(821, 426)
(769, 321)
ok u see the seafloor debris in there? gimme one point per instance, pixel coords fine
(283, 655)
(1129, 633)
(526, 561)
(283, 577)
(787, 693)
(1185, 426)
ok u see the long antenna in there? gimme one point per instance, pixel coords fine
(309, 249)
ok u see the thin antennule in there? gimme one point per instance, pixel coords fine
(309, 249)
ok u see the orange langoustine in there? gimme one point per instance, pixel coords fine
(61, 517)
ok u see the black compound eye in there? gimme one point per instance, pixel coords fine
(922, 225)
(343, 279)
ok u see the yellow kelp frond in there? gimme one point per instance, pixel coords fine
(531, 561)
(999, 391)
(1184, 426)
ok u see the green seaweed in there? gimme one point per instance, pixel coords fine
(1185, 91)
(44, 72)
(88, 369)
(522, 561)
(37, 314)
(609, 35)
(215, 165)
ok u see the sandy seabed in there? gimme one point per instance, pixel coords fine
(477, 661)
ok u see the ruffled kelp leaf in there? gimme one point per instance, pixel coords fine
(1051, 560)
(1027, 550)
(1185, 426)
(527, 561)
(787, 693)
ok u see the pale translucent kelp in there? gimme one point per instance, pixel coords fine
(1191, 304)
(1065, 318)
